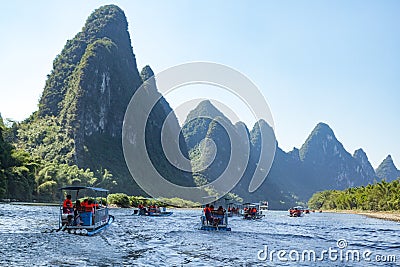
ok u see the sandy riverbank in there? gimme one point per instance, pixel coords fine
(383, 215)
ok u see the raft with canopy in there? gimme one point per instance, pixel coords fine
(251, 211)
(86, 219)
(217, 219)
(152, 210)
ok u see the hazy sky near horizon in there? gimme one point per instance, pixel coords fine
(336, 62)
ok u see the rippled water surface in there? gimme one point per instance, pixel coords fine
(176, 240)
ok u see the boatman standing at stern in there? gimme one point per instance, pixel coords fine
(207, 213)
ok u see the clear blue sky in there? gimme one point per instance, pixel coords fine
(332, 61)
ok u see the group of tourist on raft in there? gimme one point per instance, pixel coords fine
(233, 210)
(250, 211)
(73, 211)
(214, 217)
(152, 208)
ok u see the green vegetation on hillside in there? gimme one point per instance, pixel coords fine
(125, 201)
(103, 22)
(37, 175)
(46, 139)
(382, 196)
(17, 170)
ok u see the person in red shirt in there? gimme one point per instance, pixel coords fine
(67, 205)
(89, 206)
(253, 211)
(84, 204)
(207, 213)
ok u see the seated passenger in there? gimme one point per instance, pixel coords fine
(253, 211)
(77, 217)
(67, 205)
(84, 204)
(90, 206)
(68, 210)
(153, 208)
(220, 210)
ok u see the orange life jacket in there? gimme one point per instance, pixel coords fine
(67, 203)
(207, 210)
(89, 207)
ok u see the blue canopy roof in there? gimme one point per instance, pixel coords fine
(83, 187)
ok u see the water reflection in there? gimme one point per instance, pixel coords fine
(176, 240)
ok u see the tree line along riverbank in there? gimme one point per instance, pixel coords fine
(380, 200)
(122, 200)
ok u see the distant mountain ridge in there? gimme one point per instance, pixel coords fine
(321, 163)
(328, 159)
(387, 170)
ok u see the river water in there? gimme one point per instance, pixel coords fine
(176, 240)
